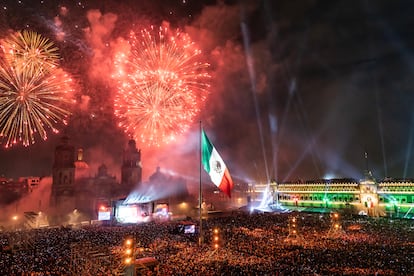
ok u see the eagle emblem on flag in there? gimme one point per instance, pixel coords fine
(217, 167)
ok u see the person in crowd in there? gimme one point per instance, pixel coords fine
(250, 244)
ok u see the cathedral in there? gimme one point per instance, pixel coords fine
(78, 194)
(75, 192)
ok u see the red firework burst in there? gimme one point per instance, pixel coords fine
(162, 84)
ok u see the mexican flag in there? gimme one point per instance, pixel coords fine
(214, 166)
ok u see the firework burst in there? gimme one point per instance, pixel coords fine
(162, 84)
(31, 51)
(34, 96)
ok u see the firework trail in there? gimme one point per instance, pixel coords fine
(34, 94)
(162, 85)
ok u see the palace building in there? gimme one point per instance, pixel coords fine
(388, 197)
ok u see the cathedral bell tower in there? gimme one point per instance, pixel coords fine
(63, 175)
(131, 172)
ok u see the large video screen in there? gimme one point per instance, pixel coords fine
(161, 210)
(104, 215)
(189, 229)
(127, 214)
(132, 213)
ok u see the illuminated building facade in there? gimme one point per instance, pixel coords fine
(390, 197)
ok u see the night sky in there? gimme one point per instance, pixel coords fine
(300, 89)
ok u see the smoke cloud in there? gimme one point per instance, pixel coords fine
(315, 98)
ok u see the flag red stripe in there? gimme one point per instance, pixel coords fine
(226, 184)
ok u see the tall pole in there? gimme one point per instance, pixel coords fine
(200, 194)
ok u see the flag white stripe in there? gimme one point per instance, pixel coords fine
(217, 167)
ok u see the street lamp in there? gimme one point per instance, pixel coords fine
(336, 227)
(129, 256)
(15, 218)
(216, 238)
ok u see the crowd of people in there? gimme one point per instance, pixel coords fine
(250, 244)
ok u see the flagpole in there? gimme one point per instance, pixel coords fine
(200, 195)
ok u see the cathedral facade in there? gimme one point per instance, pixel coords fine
(78, 193)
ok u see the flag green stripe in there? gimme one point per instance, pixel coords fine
(206, 150)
